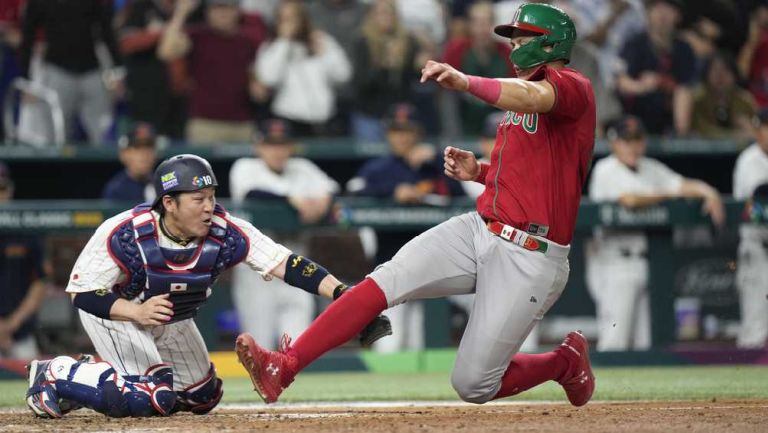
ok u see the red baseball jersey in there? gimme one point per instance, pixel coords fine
(540, 160)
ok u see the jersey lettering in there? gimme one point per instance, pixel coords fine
(530, 121)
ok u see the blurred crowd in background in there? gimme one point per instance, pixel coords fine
(142, 74)
(202, 72)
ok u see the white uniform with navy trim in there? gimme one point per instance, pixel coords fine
(617, 269)
(750, 172)
(267, 308)
(132, 348)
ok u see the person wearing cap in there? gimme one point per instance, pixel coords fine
(138, 155)
(512, 252)
(750, 183)
(139, 283)
(412, 172)
(617, 266)
(268, 308)
(659, 69)
(23, 288)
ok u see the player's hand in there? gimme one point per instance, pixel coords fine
(445, 75)
(154, 311)
(460, 164)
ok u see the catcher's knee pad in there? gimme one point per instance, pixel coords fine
(201, 397)
(96, 385)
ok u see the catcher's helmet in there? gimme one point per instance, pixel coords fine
(182, 173)
(555, 27)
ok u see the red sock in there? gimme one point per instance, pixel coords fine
(528, 370)
(341, 321)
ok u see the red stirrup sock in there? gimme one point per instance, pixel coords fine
(528, 370)
(486, 89)
(341, 321)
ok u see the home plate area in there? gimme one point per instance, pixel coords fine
(690, 416)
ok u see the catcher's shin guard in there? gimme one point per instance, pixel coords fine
(201, 397)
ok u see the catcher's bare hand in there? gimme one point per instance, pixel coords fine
(460, 164)
(154, 311)
(445, 75)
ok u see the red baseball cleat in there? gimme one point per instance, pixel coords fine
(271, 372)
(578, 382)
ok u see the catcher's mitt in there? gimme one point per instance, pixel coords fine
(378, 328)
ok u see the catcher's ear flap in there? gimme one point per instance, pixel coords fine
(379, 327)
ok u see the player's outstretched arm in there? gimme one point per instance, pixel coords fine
(509, 94)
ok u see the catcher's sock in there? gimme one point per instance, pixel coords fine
(528, 370)
(341, 321)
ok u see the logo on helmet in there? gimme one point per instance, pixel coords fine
(169, 180)
(202, 181)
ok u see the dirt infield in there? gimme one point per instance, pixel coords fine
(716, 416)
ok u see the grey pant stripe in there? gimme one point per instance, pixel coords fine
(97, 337)
(117, 351)
(125, 336)
(194, 352)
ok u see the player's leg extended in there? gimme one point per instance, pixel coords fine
(515, 288)
(181, 346)
(439, 262)
(97, 385)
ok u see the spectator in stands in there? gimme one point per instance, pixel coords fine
(750, 182)
(705, 33)
(384, 69)
(73, 29)
(153, 95)
(617, 267)
(268, 308)
(302, 61)
(412, 174)
(425, 19)
(659, 68)
(341, 19)
(592, 61)
(10, 38)
(138, 156)
(219, 55)
(753, 57)
(721, 109)
(479, 54)
(21, 285)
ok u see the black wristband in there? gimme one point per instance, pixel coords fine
(339, 290)
(98, 302)
(304, 273)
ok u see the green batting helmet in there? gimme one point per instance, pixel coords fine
(555, 27)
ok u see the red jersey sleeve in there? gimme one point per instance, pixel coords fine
(484, 167)
(570, 93)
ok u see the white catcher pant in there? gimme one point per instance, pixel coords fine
(752, 282)
(513, 289)
(619, 287)
(132, 348)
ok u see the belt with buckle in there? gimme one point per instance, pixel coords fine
(517, 236)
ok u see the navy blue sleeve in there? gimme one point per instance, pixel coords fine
(684, 67)
(111, 190)
(379, 182)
